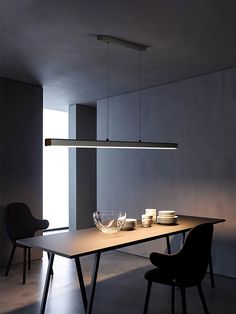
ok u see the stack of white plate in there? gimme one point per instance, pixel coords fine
(166, 217)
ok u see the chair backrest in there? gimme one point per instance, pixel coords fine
(20, 223)
(195, 255)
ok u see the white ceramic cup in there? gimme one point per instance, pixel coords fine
(146, 220)
(153, 212)
(146, 217)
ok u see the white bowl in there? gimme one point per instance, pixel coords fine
(129, 224)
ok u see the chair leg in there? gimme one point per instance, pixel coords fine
(173, 299)
(149, 286)
(24, 264)
(183, 297)
(29, 258)
(10, 259)
(211, 272)
(204, 305)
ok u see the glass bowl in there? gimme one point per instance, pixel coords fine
(109, 221)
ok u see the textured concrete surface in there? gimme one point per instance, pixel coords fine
(55, 45)
(197, 179)
(120, 289)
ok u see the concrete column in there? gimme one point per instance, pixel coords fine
(82, 168)
(21, 108)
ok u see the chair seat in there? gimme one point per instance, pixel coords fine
(159, 276)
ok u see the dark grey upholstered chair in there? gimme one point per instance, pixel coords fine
(21, 224)
(211, 272)
(185, 268)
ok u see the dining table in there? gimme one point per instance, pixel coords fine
(78, 243)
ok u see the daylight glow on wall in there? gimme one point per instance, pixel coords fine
(55, 171)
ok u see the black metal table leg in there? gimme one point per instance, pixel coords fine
(29, 258)
(183, 238)
(93, 283)
(10, 259)
(52, 272)
(81, 282)
(24, 264)
(211, 272)
(168, 245)
(46, 285)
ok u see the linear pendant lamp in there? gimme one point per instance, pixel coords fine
(107, 143)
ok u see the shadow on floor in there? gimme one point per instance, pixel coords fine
(121, 288)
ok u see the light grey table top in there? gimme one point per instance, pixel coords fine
(87, 241)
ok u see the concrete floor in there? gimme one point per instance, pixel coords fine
(121, 288)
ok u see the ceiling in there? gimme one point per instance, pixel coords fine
(53, 43)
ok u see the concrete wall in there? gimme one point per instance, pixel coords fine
(197, 179)
(82, 172)
(21, 108)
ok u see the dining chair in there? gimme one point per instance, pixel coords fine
(20, 224)
(211, 271)
(183, 269)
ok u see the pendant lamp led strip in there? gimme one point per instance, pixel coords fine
(107, 143)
